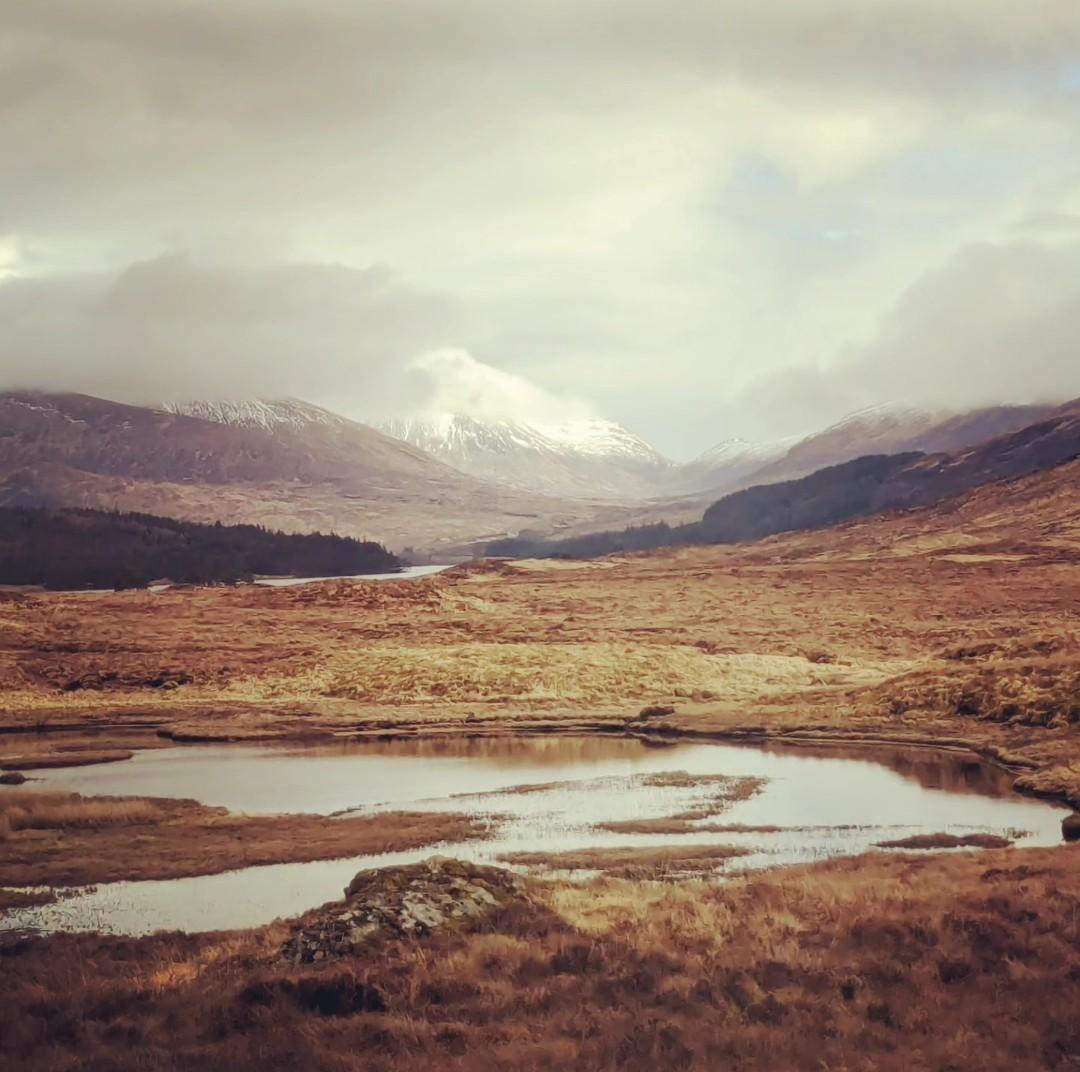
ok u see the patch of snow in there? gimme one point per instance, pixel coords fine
(266, 414)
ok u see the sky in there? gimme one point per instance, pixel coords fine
(711, 219)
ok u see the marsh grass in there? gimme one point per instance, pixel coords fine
(63, 839)
(883, 964)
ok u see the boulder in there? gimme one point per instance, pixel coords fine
(656, 711)
(401, 902)
(1070, 827)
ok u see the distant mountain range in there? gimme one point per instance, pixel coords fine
(443, 485)
(286, 465)
(856, 488)
(599, 458)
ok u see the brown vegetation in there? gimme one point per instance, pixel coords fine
(62, 839)
(947, 841)
(50, 760)
(676, 861)
(878, 964)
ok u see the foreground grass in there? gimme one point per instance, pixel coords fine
(62, 839)
(883, 963)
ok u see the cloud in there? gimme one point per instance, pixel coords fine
(651, 210)
(170, 328)
(994, 323)
(175, 328)
(456, 382)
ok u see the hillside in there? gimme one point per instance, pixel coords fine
(866, 485)
(297, 468)
(897, 429)
(891, 428)
(92, 549)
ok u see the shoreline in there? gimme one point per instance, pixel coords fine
(656, 735)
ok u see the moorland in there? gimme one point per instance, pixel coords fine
(949, 626)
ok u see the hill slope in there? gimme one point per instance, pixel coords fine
(837, 493)
(298, 468)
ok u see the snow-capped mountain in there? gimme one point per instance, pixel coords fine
(725, 466)
(589, 457)
(255, 412)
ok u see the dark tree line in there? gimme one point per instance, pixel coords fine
(71, 548)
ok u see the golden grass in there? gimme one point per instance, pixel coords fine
(1063, 781)
(881, 964)
(55, 811)
(569, 673)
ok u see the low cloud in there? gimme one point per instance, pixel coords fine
(456, 382)
(357, 340)
(995, 323)
(171, 328)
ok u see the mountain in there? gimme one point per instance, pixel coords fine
(584, 457)
(851, 489)
(896, 428)
(890, 428)
(728, 464)
(285, 465)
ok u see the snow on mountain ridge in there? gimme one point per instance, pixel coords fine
(266, 414)
(582, 457)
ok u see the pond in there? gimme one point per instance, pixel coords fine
(541, 794)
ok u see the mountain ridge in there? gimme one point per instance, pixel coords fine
(584, 456)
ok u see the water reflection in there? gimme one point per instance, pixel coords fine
(821, 801)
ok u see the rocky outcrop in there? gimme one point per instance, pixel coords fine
(400, 902)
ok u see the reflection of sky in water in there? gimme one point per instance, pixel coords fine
(843, 804)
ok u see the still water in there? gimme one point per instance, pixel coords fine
(825, 802)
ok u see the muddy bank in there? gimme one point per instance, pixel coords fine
(54, 760)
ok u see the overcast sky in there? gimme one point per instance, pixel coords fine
(702, 219)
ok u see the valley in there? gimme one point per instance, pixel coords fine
(819, 780)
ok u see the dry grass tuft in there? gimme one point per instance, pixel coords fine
(59, 811)
(884, 964)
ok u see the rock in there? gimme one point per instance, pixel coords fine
(401, 902)
(1070, 827)
(656, 711)
(12, 778)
